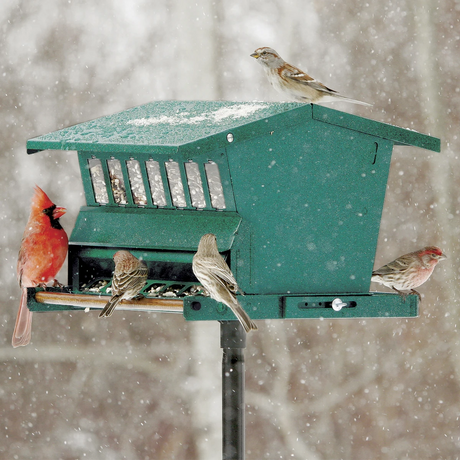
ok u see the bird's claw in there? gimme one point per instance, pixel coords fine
(405, 294)
(413, 291)
(402, 294)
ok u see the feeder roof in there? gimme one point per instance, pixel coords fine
(170, 124)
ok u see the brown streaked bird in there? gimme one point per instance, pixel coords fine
(409, 271)
(295, 83)
(128, 280)
(216, 277)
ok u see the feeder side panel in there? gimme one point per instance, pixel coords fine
(399, 136)
(318, 183)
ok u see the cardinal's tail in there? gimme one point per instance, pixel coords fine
(23, 328)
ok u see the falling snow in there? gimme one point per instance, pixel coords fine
(146, 385)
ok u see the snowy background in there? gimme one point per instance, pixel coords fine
(148, 386)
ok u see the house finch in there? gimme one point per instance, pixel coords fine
(128, 280)
(43, 251)
(214, 274)
(290, 80)
(409, 271)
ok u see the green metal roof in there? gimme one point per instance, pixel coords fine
(171, 124)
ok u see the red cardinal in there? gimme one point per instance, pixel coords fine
(409, 271)
(43, 251)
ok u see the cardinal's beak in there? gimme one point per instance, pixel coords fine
(58, 212)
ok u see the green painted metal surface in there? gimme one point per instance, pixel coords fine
(174, 123)
(161, 229)
(162, 123)
(382, 130)
(369, 305)
(294, 193)
(200, 308)
(313, 199)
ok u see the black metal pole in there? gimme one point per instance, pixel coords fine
(233, 343)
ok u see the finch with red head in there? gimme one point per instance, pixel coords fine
(409, 271)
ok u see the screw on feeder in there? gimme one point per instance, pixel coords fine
(196, 306)
(337, 304)
(230, 137)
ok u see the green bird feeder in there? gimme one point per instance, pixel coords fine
(293, 192)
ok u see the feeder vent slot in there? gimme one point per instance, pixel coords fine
(136, 183)
(157, 182)
(176, 187)
(195, 185)
(117, 182)
(97, 179)
(215, 185)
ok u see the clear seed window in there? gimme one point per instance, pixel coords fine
(136, 183)
(156, 183)
(175, 184)
(195, 185)
(117, 182)
(97, 179)
(163, 184)
(215, 185)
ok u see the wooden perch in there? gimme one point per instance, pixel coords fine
(95, 302)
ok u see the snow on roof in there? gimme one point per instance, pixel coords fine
(214, 116)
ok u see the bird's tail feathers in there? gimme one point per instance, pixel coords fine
(110, 306)
(23, 328)
(339, 98)
(243, 317)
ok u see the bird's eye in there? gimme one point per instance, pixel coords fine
(263, 53)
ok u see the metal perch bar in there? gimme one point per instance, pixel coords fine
(98, 302)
